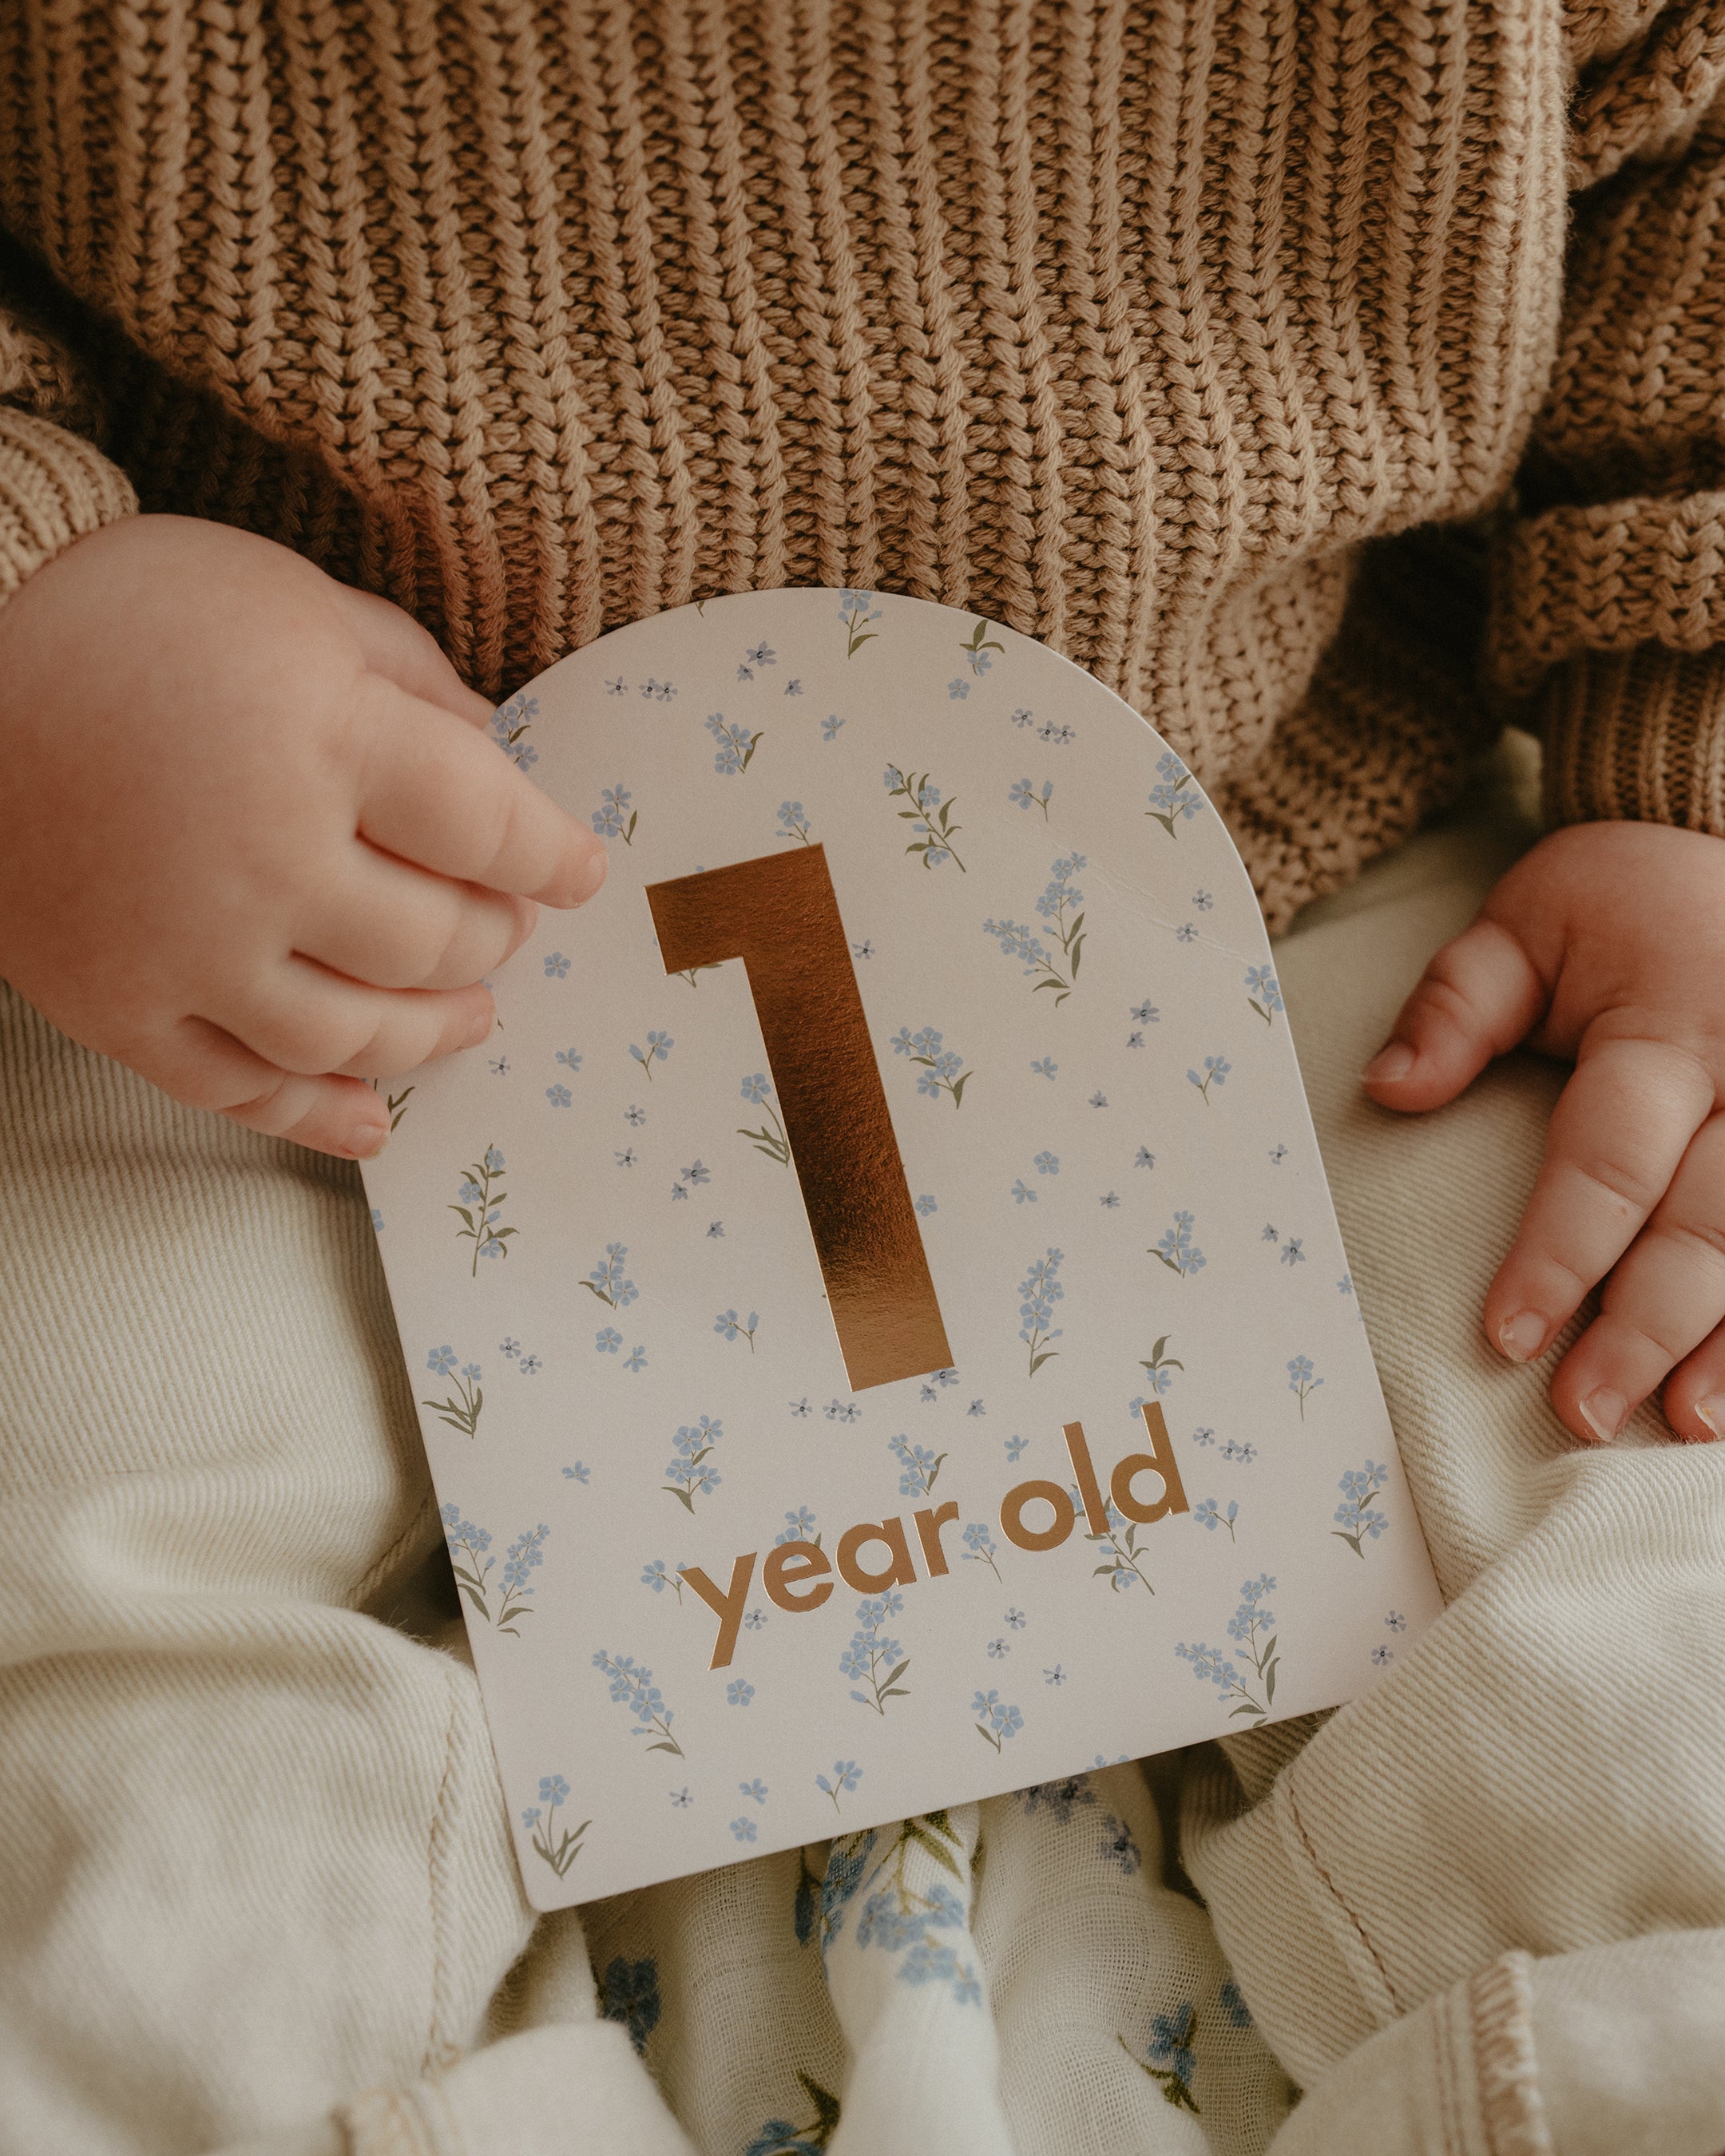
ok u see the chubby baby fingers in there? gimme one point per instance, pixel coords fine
(1694, 1400)
(439, 792)
(1662, 1303)
(305, 1019)
(1480, 995)
(394, 927)
(205, 1067)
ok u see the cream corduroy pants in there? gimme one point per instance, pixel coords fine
(255, 1891)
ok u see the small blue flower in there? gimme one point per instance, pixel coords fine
(1045, 1066)
(557, 965)
(636, 1359)
(829, 726)
(559, 1096)
(569, 1059)
(1117, 1845)
(553, 1788)
(1047, 1163)
(739, 1692)
(1016, 1448)
(1382, 1657)
(377, 1221)
(1016, 1619)
(756, 1089)
(743, 1830)
(756, 1789)
(440, 1361)
(1022, 1192)
(580, 1472)
(957, 692)
(926, 1205)
(607, 1340)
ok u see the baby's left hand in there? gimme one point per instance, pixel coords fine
(1606, 943)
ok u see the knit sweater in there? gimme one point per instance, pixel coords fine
(1332, 378)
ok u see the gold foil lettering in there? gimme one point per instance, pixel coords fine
(1160, 1458)
(727, 1607)
(779, 915)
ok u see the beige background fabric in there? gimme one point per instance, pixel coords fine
(255, 1893)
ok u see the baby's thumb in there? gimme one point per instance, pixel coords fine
(1479, 996)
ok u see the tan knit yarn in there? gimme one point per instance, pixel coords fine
(1122, 323)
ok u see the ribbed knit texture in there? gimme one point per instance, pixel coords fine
(1121, 324)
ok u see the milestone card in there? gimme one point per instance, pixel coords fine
(880, 1331)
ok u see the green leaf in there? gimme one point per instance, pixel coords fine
(915, 1830)
(682, 1497)
(1047, 1355)
(826, 2104)
(629, 832)
(1270, 1684)
(1102, 1568)
(893, 1675)
(464, 1212)
(958, 1086)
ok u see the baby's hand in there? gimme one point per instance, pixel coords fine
(1605, 944)
(258, 845)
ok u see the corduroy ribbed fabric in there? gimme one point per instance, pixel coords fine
(1125, 325)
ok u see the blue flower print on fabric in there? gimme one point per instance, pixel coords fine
(628, 1993)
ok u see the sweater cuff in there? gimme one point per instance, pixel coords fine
(1607, 623)
(54, 488)
(1638, 734)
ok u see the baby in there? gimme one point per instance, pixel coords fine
(286, 857)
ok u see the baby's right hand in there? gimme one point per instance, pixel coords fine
(258, 845)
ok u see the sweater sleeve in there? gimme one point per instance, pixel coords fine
(1608, 605)
(55, 484)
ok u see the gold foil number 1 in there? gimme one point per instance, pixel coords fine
(780, 917)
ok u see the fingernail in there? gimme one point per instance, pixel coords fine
(480, 1030)
(1389, 1064)
(1711, 1412)
(1604, 1412)
(1522, 1337)
(587, 880)
(367, 1141)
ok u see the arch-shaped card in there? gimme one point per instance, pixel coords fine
(881, 1328)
